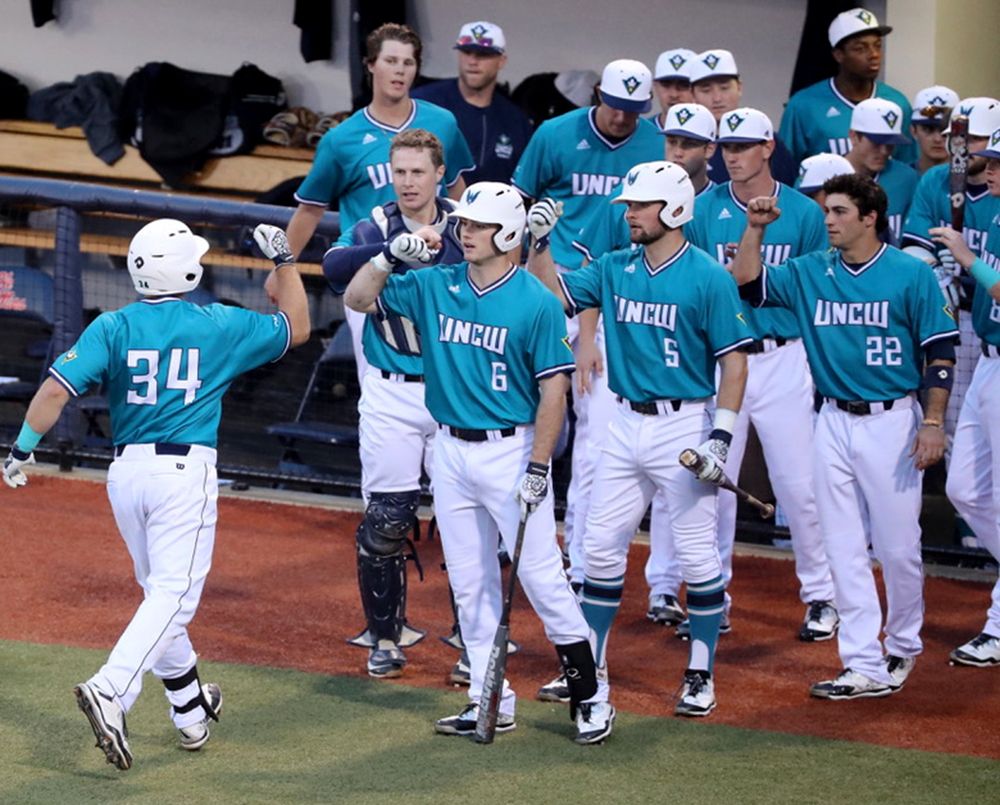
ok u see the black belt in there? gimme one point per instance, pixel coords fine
(756, 347)
(860, 406)
(406, 378)
(989, 350)
(650, 408)
(162, 449)
(472, 435)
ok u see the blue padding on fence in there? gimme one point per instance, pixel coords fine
(86, 196)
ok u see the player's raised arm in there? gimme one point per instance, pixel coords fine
(409, 247)
(542, 218)
(746, 265)
(284, 285)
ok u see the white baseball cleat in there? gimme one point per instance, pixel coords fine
(983, 650)
(594, 721)
(665, 609)
(820, 623)
(107, 719)
(849, 685)
(696, 695)
(196, 736)
(899, 669)
(464, 723)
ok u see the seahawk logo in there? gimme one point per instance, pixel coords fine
(631, 84)
(479, 31)
(470, 198)
(937, 100)
(734, 121)
(995, 139)
(677, 61)
(711, 61)
(70, 356)
(684, 115)
(866, 17)
(891, 118)
(965, 110)
(632, 177)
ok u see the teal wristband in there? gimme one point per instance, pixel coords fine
(28, 439)
(983, 274)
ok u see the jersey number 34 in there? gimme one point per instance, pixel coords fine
(147, 362)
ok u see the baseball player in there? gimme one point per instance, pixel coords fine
(495, 128)
(779, 392)
(817, 118)
(974, 474)
(579, 159)
(351, 168)
(815, 170)
(931, 109)
(670, 314)
(876, 131)
(871, 318)
(497, 364)
(672, 81)
(165, 363)
(396, 430)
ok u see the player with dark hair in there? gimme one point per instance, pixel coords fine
(672, 81)
(932, 107)
(873, 322)
(165, 364)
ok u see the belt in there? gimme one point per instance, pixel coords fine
(990, 350)
(861, 407)
(162, 449)
(400, 378)
(651, 408)
(764, 345)
(472, 435)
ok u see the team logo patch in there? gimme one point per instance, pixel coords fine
(711, 61)
(632, 176)
(631, 84)
(965, 110)
(937, 100)
(866, 17)
(479, 31)
(949, 310)
(684, 115)
(739, 316)
(734, 121)
(70, 356)
(504, 148)
(891, 118)
(677, 61)
(565, 340)
(995, 139)
(470, 198)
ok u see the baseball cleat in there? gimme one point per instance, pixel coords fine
(196, 736)
(594, 721)
(464, 723)
(899, 669)
(684, 627)
(665, 609)
(555, 691)
(983, 650)
(820, 623)
(460, 673)
(696, 695)
(386, 660)
(107, 720)
(849, 685)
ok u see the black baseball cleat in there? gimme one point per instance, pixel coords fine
(464, 723)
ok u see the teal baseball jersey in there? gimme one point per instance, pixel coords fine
(719, 221)
(568, 159)
(665, 325)
(352, 160)
(485, 349)
(166, 363)
(863, 326)
(986, 312)
(931, 207)
(606, 230)
(899, 182)
(817, 119)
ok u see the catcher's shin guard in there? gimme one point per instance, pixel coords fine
(577, 661)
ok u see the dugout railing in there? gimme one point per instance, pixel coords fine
(74, 236)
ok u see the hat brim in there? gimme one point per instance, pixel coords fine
(724, 140)
(886, 139)
(481, 49)
(934, 122)
(881, 30)
(626, 104)
(710, 76)
(672, 77)
(685, 133)
(989, 153)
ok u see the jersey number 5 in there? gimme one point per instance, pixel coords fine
(671, 357)
(147, 361)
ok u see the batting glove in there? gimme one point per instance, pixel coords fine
(534, 485)
(946, 273)
(12, 475)
(542, 217)
(273, 243)
(714, 451)
(406, 248)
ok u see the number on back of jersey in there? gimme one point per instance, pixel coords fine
(182, 375)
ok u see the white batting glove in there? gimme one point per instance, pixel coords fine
(405, 248)
(947, 278)
(273, 243)
(713, 451)
(542, 217)
(534, 485)
(12, 475)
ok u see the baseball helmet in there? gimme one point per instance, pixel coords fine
(494, 203)
(661, 181)
(164, 257)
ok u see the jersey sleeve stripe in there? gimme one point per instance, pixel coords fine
(520, 189)
(63, 382)
(288, 336)
(563, 368)
(736, 345)
(573, 309)
(939, 337)
(381, 305)
(930, 245)
(310, 202)
(583, 250)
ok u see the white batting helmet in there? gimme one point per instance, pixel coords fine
(661, 181)
(164, 257)
(494, 203)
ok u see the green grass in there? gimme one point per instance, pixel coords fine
(294, 737)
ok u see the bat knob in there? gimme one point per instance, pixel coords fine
(688, 458)
(767, 512)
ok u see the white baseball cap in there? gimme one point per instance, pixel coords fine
(993, 149)
(690, 120)
(815, 170)
(715, 63)
(674, 63)
(880, 121)
(936, 100)
(745, 125)
(627, 84)
(481, 37)
(983, 114)
(853, 22)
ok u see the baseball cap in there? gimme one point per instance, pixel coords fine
(815, 170)
(481, 37)
(938, 101)
(690, 120)
(716, 63)
(627, 84)
(879, 120)
(674, 63)
(745, 125)
(853, 22)
(983, 114)
(993, 149)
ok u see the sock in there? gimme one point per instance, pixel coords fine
(705, 605)
(601, 599)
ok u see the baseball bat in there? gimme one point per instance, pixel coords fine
(690, 460)
(958, 148)
(496, 668)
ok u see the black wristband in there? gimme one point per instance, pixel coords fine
(388, 255)
(721, 435)
(537, 468)
(541, 244)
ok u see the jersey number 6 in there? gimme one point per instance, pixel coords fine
(148, 362)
